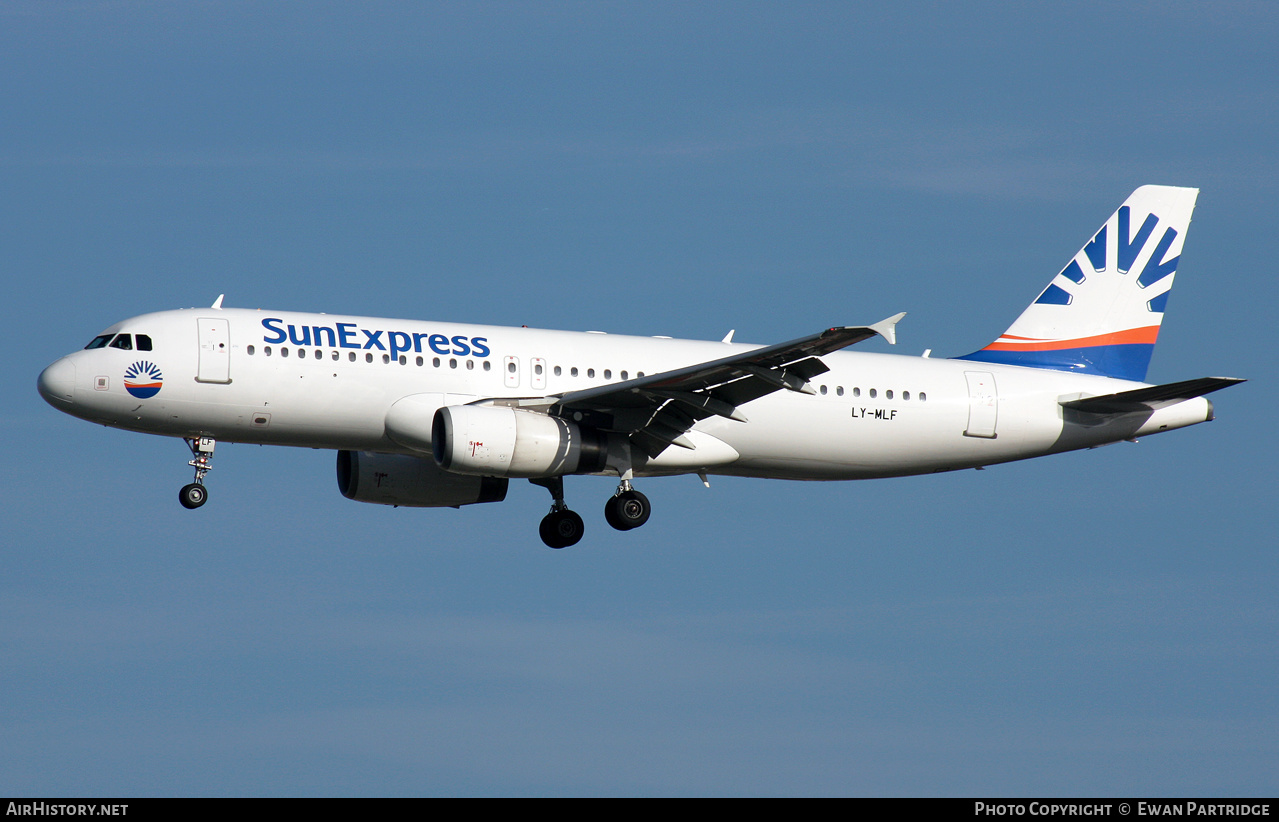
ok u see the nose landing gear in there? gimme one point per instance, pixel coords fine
(195, 494)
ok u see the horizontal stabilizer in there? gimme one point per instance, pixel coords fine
(1148, 399)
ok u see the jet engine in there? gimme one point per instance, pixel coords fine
(507, 442)
(398, 479)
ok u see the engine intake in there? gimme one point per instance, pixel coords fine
(507, 442)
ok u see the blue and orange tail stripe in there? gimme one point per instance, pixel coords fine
(1123, 354)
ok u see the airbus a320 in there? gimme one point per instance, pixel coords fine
(437, 414)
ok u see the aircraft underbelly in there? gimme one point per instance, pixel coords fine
(820, 439)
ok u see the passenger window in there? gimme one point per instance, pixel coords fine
(250, 350)
(857, 392)
(823, 390)
(368, 357)
(144, 342)
(839, 390)
(608, 373)
(351, 356)
(888, 394)
(872, 393)
(420, 360)
(572, 372)
(284, 352)
(319, 354)
(98, 342)
(488, 366)
(624, 375)
(906, 395)
(558, 371)
(266, 350)
(123, 341)
(590, 372)
(922, 396)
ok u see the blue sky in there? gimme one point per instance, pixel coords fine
(1098, 623)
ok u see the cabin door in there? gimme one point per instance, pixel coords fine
(215, 351)
(983, 404)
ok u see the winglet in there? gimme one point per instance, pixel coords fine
(218, 302)
(888, 328)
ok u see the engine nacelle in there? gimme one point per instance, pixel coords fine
(398, 479)
(494, 440)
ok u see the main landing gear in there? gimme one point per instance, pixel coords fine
(194, 495)
(561, 528)
(628, 508)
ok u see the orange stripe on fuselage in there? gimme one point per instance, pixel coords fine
(1132, 336)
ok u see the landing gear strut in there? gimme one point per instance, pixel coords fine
(628, 508)
(561, 527)
(194, 495)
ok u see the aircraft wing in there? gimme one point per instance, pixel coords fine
(656, 410)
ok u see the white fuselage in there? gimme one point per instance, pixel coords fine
(328, 381)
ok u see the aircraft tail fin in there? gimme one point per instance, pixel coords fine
(1101, 314)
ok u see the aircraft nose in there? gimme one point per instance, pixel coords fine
(57, 382)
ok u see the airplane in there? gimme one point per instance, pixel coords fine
(435, 414)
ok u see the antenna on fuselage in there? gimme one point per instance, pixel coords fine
(218, 302)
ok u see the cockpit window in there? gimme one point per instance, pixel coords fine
(123, 342)
(99, 342)
(144, 342)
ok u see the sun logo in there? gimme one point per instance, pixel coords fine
(143, 379)
(1128, 246)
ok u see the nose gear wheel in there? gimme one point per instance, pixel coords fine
(194, 494)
